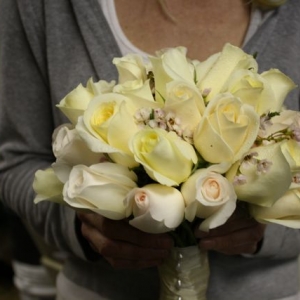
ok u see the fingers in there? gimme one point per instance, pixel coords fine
(230, 226)
(240, 241)
(122, 245)
(123, 231)
(241, 234)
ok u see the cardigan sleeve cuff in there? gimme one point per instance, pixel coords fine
(77, 243)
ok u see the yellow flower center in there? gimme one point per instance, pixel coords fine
(148, 142)
(183, 93)
(100, 117)
(103, 113)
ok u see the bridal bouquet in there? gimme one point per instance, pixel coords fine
(177, 140)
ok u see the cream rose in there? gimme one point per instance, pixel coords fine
(70, 150)
(171, 64)
(221, 67)
(47, 186)
(210, 196)
(109, 123)
(101, 188)
(202, 68)
(265, 92)
(100, 87)
(262, 177)
(155, 208)
(135, 89)
(103, 126)
(287, 119)
(68, 146)
(130, 68)
(166, 158)
(227, 129)
(75, 103)
(291, 152)
(285, 211)
(133, 79)
(186, 102)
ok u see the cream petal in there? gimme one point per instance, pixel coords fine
(165, 209)
(230, 59)
(264, 189)
(47, 186)
(285, 211)
(281, 86)
(219, 217)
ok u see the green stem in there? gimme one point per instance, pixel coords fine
(183, 235)
(177, 240)
(190, 233)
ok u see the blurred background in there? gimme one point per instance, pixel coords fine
(28, 267)
(7, 289)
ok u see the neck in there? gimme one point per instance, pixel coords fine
(203, 26)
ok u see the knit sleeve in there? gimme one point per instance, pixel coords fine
(26, 124)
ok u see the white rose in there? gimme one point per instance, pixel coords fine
(202, 68)
(155, 208)
(101, 188)
(227, 129)
(265, 92)
(70, 150)
(68, 145)
(107, 125)
(285, 211)
(210, 196)
(287, 119)
(74, 104)
(133, 80)
(266, 175)
(171, 64)
(221, 67)
(165, 157)
(100, 87)
(130, 68)
(291, 152)
(47, 186)
(186, 102)
(135, 88)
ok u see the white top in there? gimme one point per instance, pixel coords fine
(126, 47)
(109, 10)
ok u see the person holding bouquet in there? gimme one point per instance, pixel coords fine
(47, 49)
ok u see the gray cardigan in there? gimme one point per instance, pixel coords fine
(46, 49)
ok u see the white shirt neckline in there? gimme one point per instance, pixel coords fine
(258, 17)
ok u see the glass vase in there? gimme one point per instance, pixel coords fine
(184, 275)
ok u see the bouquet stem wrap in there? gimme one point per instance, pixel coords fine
(184, 275)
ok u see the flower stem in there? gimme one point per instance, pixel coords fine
(190, 233)
(183, 235)
(177, 240)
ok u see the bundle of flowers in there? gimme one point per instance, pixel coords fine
(177, 140)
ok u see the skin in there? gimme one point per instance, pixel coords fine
(241, 234)
(125, 247)
(203, 27)
(122, 245)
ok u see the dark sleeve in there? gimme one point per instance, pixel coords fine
(280, 242)
(26, 124)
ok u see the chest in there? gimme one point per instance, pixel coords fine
(201, 26)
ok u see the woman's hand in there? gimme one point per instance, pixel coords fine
(122, 245)
(241, 234)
